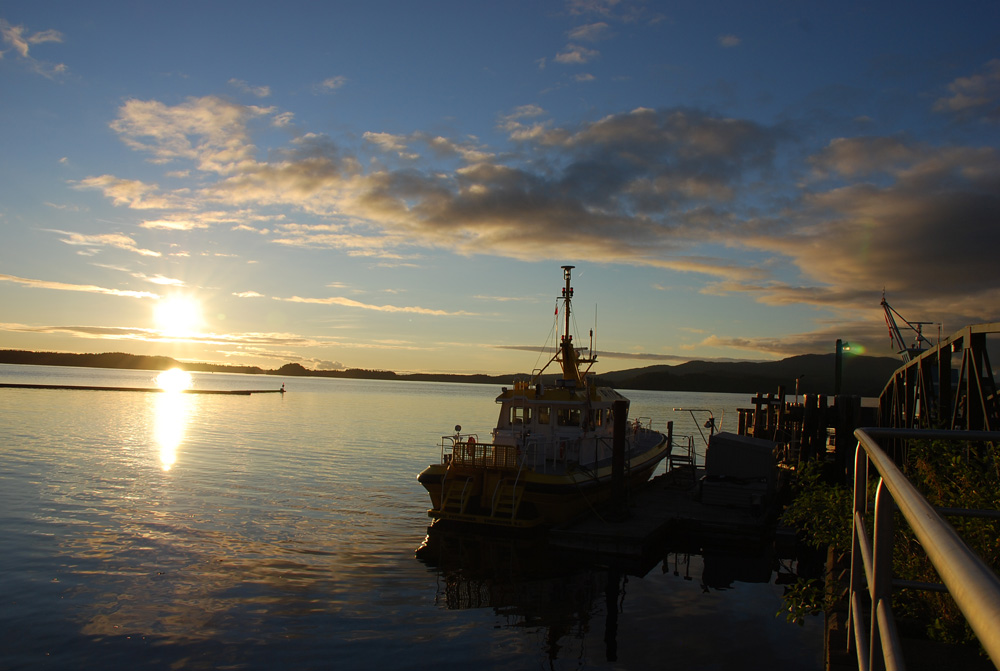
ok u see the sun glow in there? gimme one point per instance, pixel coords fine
(174, 380)
(178, 316)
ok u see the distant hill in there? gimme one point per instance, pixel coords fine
(115, 360)
(862, 375)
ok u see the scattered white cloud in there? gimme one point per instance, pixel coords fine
(85, 288)
(19, 40)
(975, 94)
(576, 54)
(210, 131)
(331, 84)
(350, 303)
(258, 91)
(115, 240)
(591, 32)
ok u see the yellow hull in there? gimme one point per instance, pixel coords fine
(507, 497)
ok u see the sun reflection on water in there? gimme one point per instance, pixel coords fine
(172, 411)
(174, 380)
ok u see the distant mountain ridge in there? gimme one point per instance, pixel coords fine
(861, 375)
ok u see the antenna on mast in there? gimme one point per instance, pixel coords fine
(567, 295)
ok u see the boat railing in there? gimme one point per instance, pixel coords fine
(872, 631)
(467, 450)
(682, 453)
(545, 455)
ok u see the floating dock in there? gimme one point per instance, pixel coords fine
(667, 504)
(229, 392)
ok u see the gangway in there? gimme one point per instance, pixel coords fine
(950, 386)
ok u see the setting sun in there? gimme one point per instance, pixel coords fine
(178, 316)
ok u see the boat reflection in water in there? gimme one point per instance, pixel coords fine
(522, 579)
(713, 606)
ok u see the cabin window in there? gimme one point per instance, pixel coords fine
(595, 418)
(543, 414)
(520, 415)
(569, 417)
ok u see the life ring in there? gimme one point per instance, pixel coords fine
(470, 447)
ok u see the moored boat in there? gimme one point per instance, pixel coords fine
(552, 453)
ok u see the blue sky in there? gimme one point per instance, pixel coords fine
(395, 185)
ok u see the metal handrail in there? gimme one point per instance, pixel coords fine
(973, 585)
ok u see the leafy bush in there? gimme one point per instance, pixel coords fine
(949, 475)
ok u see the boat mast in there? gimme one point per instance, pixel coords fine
(570, 369)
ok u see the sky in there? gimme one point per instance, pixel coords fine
(396, 185)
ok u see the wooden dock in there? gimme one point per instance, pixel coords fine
(229, 392)
(667, 504)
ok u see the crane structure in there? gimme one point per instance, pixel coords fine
(920, 343)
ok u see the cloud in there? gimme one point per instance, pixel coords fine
(576, 54)
(591, 32)
(250, 340)
(347, 302)
(975, 94)
(248, 294)
(638, 187)
(729, 41)
(19, 40)
(259, 91)
(870, 335)
(390, 142)
(239, 219)
(160, 279)
(331, 84)
(210, 131)
(86, 288)
(132, 193)
(673, 188)
(116, 240)
(922, 226)
(503, 299)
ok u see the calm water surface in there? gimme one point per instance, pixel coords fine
(202, 531)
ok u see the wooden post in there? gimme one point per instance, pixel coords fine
(848, 410)
(620, 411)
(780, 435)
(758, 416)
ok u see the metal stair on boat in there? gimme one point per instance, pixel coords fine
(457, 495)
(507, 499)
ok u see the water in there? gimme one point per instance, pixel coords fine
(161, 531)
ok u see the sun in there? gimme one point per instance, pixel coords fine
(178, 316)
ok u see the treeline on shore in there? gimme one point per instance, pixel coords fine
(122, 360)
(862, 375)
